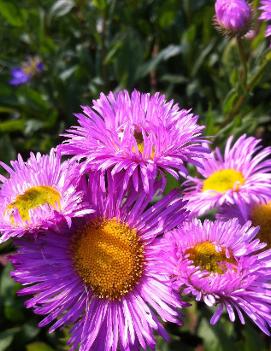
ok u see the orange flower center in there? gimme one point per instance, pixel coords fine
(261, 216)
(109, 257)
(205, 256)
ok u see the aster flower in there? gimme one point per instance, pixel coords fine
(22, 75)
(220, 264)
(233, 16)
(37, 193)
(139, 135)
(259, 213)
(241, 176)
(265, 8)
(104, 276)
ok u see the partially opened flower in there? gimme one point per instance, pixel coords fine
(103, 275)
(220, 264)
(22, 75)
(36, 193)
(233, 16)
(239, 177)
(265, 7)
(259, 213)
(139, 134)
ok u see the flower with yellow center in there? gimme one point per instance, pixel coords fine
(109, 257)
(241, 176)
(39, 193)
(140, 134)
(32, 66)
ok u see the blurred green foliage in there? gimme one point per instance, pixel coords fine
(101, 45)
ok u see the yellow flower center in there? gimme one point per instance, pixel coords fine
(109, 257)
(205, 256)
(261, 215)
(140, 144)
(30, 67)
(32, 198)
(224, 180)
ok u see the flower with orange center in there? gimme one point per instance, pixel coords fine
(222, 264)
(258, 213)
(103, 275)
(242, 175)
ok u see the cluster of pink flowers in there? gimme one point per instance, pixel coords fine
(101, 247)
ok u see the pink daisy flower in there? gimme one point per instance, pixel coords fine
(140, 134)
(221, 264)
(241, 176)
(37, 193)
(103, 276)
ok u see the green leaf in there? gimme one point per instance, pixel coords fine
(253, 340)
(11, 13)
(218, 337)
(6, 338)
(12, 126)
(60, 8)
(164, 55)
(38, 346)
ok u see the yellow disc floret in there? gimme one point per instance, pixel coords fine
(32, 198)
(205, 256)
(108, 255)
(224, 180)
(30, 67)
(140, 144)
(261, 215)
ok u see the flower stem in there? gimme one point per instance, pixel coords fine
(249, 86)
(243, 59)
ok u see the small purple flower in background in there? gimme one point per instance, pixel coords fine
(103, 276)
(265, 7)
(233, 16)
(140, 134)
(221, 263)
(239, 177)
(23, 74)
(37, 193)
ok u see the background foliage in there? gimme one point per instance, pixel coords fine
(101, 45)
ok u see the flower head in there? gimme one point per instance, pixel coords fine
(23, 74)
(259, 213)
(241, 176)
(104, 277)
(220, 264)
(265, 7)
(233, 16)
(138, 134)
(37, 193)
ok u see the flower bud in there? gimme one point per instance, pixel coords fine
(233, 16)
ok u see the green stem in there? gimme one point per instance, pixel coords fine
(243, 59)
(249, 87)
